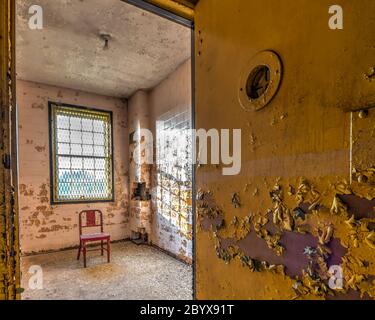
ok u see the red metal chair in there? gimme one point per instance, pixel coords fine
(92, 218)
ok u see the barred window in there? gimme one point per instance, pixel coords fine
(81, 149)
(174, 169)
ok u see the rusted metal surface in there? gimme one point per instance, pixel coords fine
(306, 188)
(9, 247)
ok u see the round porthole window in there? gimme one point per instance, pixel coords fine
(260, 80)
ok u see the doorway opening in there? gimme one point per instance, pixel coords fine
(89, 82)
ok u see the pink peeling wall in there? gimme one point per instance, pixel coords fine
(50, 227)
(145, 108)
(44, 227)
(139, 118)
(171, 95)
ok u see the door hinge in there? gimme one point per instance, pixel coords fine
(7, 161)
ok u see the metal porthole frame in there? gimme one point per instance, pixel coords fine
(271, 60)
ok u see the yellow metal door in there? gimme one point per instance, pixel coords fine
(295, 210)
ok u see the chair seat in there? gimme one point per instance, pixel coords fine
(94, 236)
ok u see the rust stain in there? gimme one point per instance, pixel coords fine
(45, 211)
(34, 220)
(53, 228)
(39, 106)
(43, 194)
(25, 191)
(40, 148)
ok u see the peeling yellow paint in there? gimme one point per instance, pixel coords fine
(9, 242)
(307, 158)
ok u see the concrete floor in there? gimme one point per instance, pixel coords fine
(135, 272)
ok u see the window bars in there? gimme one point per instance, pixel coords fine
(81, 154)
(174, 168)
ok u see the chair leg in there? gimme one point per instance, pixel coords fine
(108, 250)
(102, 245)
(79, 251)
(84, 255)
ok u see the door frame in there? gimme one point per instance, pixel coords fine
(189, 24)
(158, 10)
(9, 218)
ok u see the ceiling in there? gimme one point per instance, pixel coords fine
(68, 52)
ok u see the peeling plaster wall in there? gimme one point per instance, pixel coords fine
(145, 108)
(139, 118)
(295, 188)
(171, 95)
(51, 227)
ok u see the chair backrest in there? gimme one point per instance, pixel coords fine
(90, 219)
